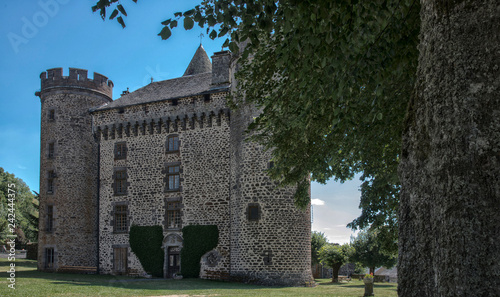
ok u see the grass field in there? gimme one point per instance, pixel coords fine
(30, 282)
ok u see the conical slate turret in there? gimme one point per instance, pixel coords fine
(200, 63)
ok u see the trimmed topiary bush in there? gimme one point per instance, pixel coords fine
(197, 240)
(32, 251)
(145, 242)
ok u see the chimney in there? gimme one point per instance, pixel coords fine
(221, 68)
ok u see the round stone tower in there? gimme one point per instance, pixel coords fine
(68, 234)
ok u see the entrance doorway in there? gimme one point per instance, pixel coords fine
(172, 244)
(174, 261)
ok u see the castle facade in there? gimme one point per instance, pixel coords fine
(171, 154)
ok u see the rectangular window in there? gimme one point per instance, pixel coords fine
(50, 218)
(120, 260)
(173, 143)
(173, 215)
(49, 258)
(120, 150)
(51, 151)
(253, 212)
(120, 182)
(50, 182)
(52, 115)
(120, 218)
(173, 178)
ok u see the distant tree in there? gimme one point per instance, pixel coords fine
(334, 256)
(31, 213)
(359, 268)
(318, 240)
(368, 251)
(25, 209)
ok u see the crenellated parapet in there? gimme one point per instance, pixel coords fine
(167, 124)
(53, 79)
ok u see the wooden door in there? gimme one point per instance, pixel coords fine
(120, 260)
(174, 261)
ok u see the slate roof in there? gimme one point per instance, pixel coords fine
(185, 86)
(200, 63)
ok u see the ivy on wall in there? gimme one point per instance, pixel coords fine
(145, 242)
(198, 240)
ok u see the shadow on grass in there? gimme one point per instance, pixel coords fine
(26, 264)
(124, 282)
(387, 286)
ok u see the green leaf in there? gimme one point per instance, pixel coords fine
(379, 116)
(329, 38)
(103, 13)
(113, 14)
(213, 34)
(233, 47)
(121, 9)
(120, 20)
(189, 12)
(166, 22)
(188, 23)
(223, 31)
(173, 24)
(165, 33)
(211, 20)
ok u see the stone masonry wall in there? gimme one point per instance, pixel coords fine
(204, 169)
(275, 249)
(73, 169)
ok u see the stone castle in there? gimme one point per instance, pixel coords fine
(171, 154)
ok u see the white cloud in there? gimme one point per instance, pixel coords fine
(317, 202)
(21, 167)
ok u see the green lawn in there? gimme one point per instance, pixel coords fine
(30, 282)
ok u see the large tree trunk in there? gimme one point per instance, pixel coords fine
(449, 239)
(335, 273)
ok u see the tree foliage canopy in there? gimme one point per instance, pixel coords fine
(318, 240)
(369, 251)
(334, 256)
(25, 209)
(333, 79)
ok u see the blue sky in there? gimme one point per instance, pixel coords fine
(41, 34)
